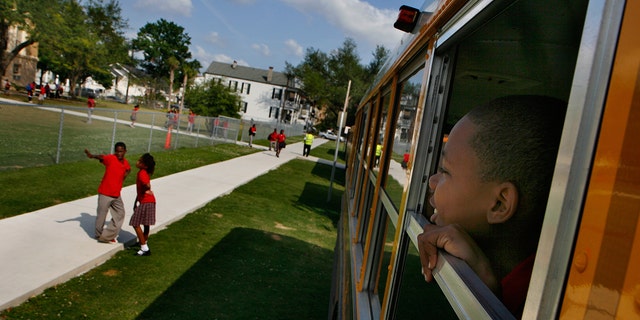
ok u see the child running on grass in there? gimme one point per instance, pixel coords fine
(145, 212)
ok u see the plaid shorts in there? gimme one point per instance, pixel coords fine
(144, 215)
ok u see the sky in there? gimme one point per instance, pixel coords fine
(266, 33)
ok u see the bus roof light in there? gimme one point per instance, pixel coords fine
(407, 18)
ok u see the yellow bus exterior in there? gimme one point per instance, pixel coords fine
(462, 52)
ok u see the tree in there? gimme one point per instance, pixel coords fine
(212, 99)
(173, 65)
(325, 79)
(74, 42)
(380, 55)
(28, 15)
(163, 43)
(189, 71)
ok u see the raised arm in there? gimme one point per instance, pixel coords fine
(92, 156)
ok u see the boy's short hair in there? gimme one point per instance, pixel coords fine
(120, 144)
(516, 140)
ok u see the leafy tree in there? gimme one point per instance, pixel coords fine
(88, 42)
(39, 21)
(165, 48)
(325, 79)
(189, 71)
(74, 41)
(212, 99)
(380, 55)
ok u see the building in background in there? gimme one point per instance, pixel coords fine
(22, 69)
(266, 95)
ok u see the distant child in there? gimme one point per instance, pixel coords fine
(116, 170)
(91, 104)
(252, 133)
(29, 89)
(191, 121)
(273, 138)
(490, 192)
(43, 94)
(281, 143)
(7, 86)
(134, 115)
(405, 160)
(144, 213)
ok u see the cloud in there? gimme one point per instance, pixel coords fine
(227, 59)
(205, 58)
(262, 48)
(244, 2)
(172, 7)
(214, 38)
(220, 17)
(357, 19)
(294, 48)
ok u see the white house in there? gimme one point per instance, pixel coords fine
(262, 91)
(121, 86)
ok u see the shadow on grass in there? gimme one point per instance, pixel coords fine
(314, 196)
(278, 276)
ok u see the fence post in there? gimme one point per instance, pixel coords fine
(198, 133)
(113, 134)
(60, 135)
(153, 120)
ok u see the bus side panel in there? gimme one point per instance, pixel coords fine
(603, 279)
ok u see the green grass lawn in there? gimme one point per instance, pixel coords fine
(265, 251)
(30, 189)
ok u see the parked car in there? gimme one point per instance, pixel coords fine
(88, 92)
(330, 135)
(115, 98)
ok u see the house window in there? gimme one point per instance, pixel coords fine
(276, 94)
(233, 85)
(16, 68)
(273, 112)
(242, 106)
(246, 87)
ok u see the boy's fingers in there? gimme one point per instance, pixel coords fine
(428, 254)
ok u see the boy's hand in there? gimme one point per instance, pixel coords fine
(454, 240)
(88, 153)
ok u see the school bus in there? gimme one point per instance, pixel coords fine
(455, 55)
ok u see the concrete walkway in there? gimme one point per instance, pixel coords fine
(49, 246)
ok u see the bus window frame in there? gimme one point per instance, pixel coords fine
(569, 181)
(577, 149)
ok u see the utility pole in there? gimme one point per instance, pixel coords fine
(341, 120)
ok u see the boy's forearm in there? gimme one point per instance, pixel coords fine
(92, 156)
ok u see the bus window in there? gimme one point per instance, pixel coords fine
(405, 116)
(379, 137)
(491, 61)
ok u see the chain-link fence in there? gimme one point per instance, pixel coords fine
(34, 135)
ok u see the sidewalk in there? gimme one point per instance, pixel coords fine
(49, 246)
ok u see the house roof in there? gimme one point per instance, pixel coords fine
(235, 71)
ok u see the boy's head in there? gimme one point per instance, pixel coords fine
(120, 149)
(497, 164)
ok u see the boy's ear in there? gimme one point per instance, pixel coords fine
(506, 203)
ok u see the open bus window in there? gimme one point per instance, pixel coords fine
(493, 62)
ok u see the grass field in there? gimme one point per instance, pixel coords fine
(264, 251)
(33, 137)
